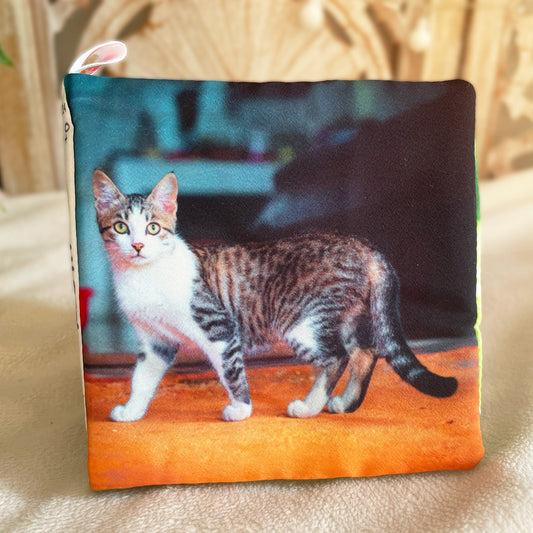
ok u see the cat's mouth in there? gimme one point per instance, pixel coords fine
(138, 255)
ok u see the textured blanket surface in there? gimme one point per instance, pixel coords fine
(43, 481)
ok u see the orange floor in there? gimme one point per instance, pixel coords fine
(182, 438)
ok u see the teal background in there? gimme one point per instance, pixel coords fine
(229, 163)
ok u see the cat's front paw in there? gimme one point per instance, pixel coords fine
(237, 411)
(336, 405)
(299, 409)
(121, 413)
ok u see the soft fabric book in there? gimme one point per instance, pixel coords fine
(275, 280)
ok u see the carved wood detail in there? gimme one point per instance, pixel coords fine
(258, 40)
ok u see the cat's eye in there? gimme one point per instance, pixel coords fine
(120, 227)
(153, 228)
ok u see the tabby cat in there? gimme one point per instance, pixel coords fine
(332, 298)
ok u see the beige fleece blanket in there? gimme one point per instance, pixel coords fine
(43, 482)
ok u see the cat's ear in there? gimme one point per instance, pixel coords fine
(165, 194)
(106, 193)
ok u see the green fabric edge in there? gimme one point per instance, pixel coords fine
(478, 278)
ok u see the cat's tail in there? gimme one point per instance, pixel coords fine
(390, 341)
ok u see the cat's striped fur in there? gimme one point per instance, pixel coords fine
(332, 298)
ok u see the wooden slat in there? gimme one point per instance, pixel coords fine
(482, 66)
(30, 133)
(446, 25)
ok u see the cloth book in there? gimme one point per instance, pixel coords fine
(275, 280)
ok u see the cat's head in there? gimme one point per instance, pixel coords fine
(136, 229)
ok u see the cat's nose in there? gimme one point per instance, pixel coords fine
(138, 246)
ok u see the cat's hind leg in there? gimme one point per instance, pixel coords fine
(362, 364)
(318, 342)
(152, 364)
(326, 378)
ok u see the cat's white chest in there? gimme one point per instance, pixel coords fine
(157, 297)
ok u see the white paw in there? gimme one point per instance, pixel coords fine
(238, 411)
(120, 413)
(336, 405)
(299, 409)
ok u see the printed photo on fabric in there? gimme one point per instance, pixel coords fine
(276, 280)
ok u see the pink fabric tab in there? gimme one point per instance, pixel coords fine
(103, 54)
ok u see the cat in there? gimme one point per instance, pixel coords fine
(333, 299)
